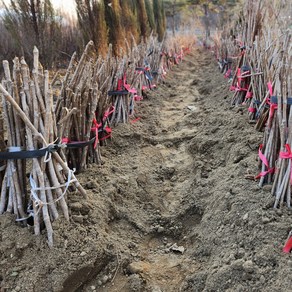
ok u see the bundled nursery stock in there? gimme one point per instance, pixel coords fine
(257, 60)
(45, 139)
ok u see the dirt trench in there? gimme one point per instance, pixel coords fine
(171, 208)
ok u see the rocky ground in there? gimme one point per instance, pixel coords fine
(171, 208)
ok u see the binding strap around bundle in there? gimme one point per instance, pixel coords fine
(186, 50)
(288, 245)
(274, 100)
(146, 72)
(26, 154)
(101, 128)
(117, 92)
(128, 86)
(265, 161)
(77, 144)
(240, 75)
(254, 106)
(107, 131)
(273, 103)
(123, 88)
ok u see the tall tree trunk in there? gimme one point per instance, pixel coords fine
(207, 22)
(143, 19)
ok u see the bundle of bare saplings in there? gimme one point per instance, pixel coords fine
(262, 82)
(31, 133)
(43, 142)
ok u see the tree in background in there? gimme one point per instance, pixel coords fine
(159, 16)
(130, 19)
(207, 11)
(8, 47)
(222, 7)
(144, 24)
(150, 14)
(173, 10)
(33, 22)
(72, 37)
(28, 23)
(113, 16)
(91, 18)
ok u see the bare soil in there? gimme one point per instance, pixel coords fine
(169, 210)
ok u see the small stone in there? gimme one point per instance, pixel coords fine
(237, 264)
(245, 217)
(238, 159)
(252, 223)
(17, 269)
(156, 289)
(160, 229)
(267, 188)
(92, 288)
(77, 218)
(115, 169)
(131, 245)
(104, 279)
(76, 206)
(14, 274)
(241, 253)
(262, 279)
(135, 268)
(192, 108)
(249, 266)
(176, 248)
(99, 283)
(265, 220)
(83, 253)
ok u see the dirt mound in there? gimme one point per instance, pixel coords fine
(170, 209)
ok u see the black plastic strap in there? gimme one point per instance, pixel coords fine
(256, 101)
(117, 92)
(28, 154)
(78, 144)
(146, 72)
(141, 69)
(274, 100)
(151, 52)
(245, 68)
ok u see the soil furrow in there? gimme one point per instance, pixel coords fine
(171, 208)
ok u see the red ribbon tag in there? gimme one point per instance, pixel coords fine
(288, 246)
